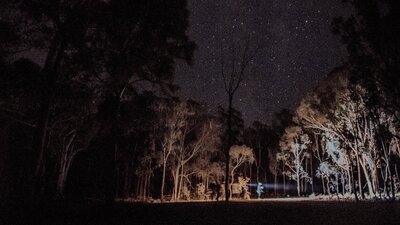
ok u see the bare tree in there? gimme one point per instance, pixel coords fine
(232, 75)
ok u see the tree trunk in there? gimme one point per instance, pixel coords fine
(298, 171)
(149, 186)
(111, 177)
(298, 183)
(343, 183)
(259, 161)
(231, 183)
(337, 184)
(61, 181)
(284, 179)
(50, 72)
(181, 182)
(353, 181)
(62, 173)
(145, 187)
(349, 180)
(207, 181)
(305, 180)
(359, 177)
(275, 182)
(392, 187)
(327, 186)
(176, 183)
(163, 180)
(368, 180)
(139, 187)
(227, 189)
(312, 174)
(41, 143)
(126, 180)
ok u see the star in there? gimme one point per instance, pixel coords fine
(298, 50)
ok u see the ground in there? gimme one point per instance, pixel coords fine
(202, 213)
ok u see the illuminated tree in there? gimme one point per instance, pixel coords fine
(371, 37)
(239, 155)
(207, 170)
(341, 159)
(175, 122)
(294, 145)
(206, 134)
(325, 171)
(354, 134)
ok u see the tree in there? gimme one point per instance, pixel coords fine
(239, 155)
(110, 46)
(72, 136)
(351, 137)
(138, 145)
(56, 33)
(280, 121)
(136, 42)
(206, 138)
(22, 88)
(175, 121)
(294, 145)
(371, 37)
(260, 137)
(342, 161)
(233, 74)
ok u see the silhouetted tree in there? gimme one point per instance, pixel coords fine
(233, 72)
(260, 137)
(56, 29)
(280, 121)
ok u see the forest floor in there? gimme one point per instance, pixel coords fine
(202, 213)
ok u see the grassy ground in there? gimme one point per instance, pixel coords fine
(256, 212)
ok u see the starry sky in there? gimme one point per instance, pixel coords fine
(296, 50)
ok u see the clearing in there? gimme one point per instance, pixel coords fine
(202, 213)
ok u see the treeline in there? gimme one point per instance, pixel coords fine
(345, 134)
(73, 75)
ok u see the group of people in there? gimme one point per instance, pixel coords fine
(217, 191)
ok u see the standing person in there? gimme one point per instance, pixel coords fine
(259, 190)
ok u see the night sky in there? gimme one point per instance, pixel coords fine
(296, 51)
